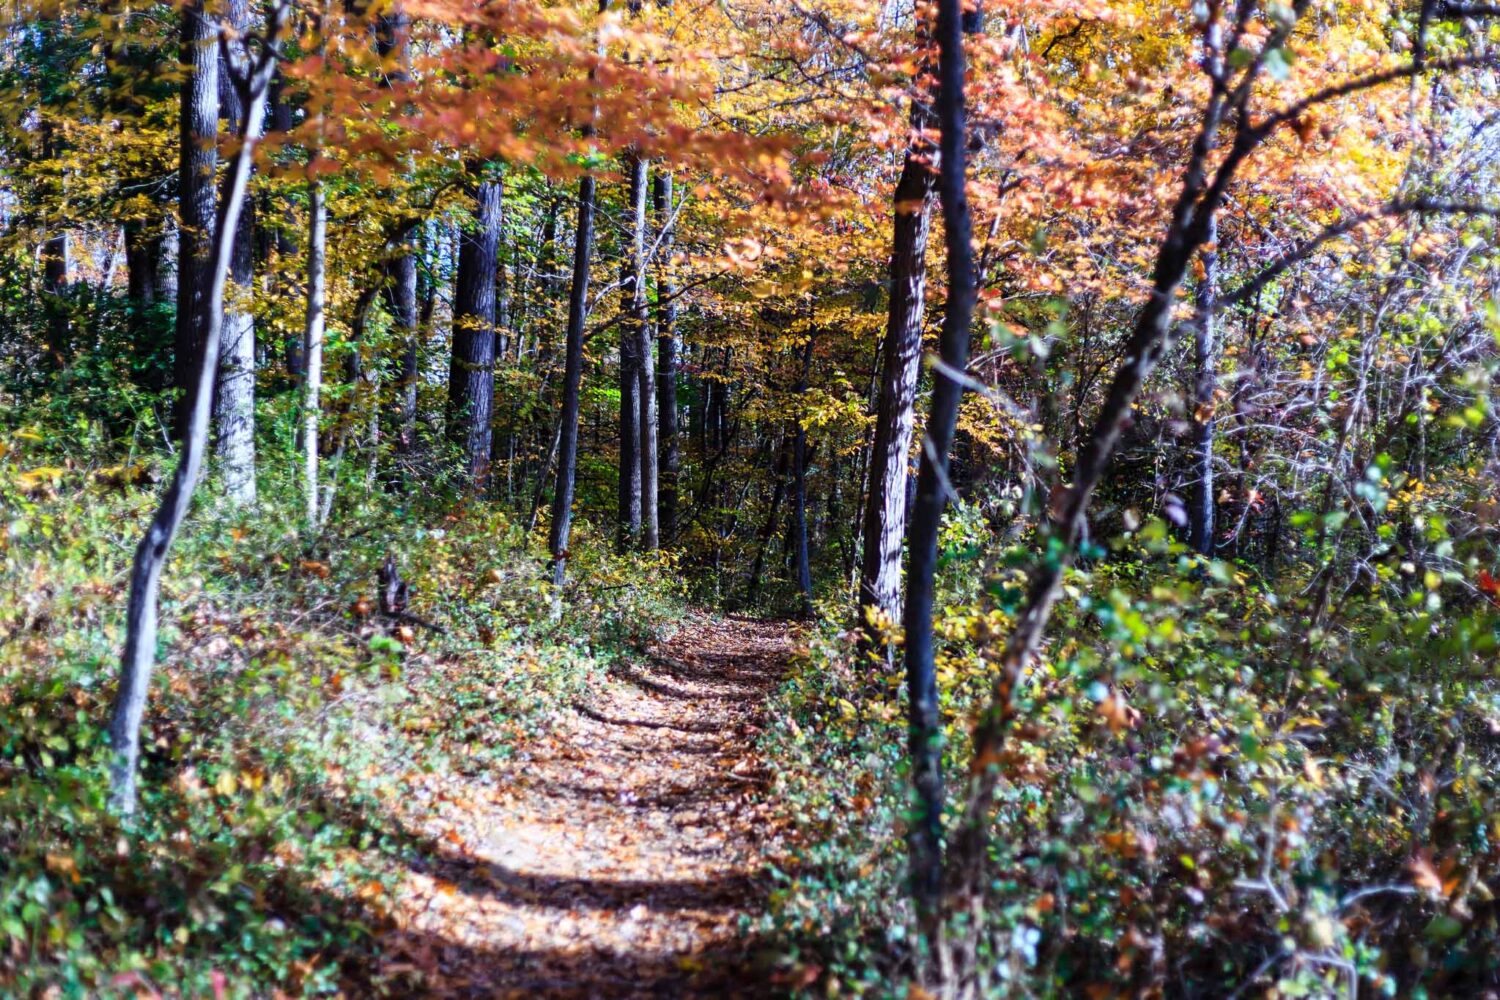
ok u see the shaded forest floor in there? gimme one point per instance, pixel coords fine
(619, 855)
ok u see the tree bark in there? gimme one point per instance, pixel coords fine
(401, 300)
(778, 490)
(1205, 383)
(150, 555)
(668, 347)
(1192, 219)
(312, 347)
(142, 286)
(198, 135)
(234, 400)
(567, 449)
(640, 328)
(393, 46)
(281, 122)
(799, 459)
(631, 362)
(471, 382)
(924, 837)
(885, 505)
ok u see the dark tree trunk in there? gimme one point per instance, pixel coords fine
(198, 136)
(142, 273)
(471, 382)
(234, 400)
(567, 453)
(800, 460)
(1192, 218)
(885, 506)
(925, 732)
(393, 46)
(778, 490)
(669, 454)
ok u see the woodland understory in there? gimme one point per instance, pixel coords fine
(954, 499)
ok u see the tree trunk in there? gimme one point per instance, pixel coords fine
(143, 284)
(401, 300)
(393, 46)
(150, 555)
(234, 400)
(1205, 383)
(281, 122)
(640, 328)
(924, 837)
(778, 490)
(198, 135)
(799, 460)
(669, 453)
(471, 382)
(312, 346)
(1187, 232)
(631, 361)
(54, 289)
(885, 505)
(567, 454)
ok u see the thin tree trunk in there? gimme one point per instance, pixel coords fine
(471, 382)
(234, 400)
(401, 299)
(669, 450)
(640, 328)
(778, 490)
(55, 272)
(800, 459)
(54, 289)
(1191, 222)
(631, 361)
(393, 46)
(312, 346)
(567, 453)
(1205, 383)
(885, 504)
(142, 281)
(198, 137)
(281, 122)
(924, 835)
(150, 555)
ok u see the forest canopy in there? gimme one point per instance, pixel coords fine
(1015, 479)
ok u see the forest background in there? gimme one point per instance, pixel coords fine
(1108, 386)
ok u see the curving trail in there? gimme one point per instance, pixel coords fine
(614, 857)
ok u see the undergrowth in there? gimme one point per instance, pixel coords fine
(287, 714)
(1202, 795)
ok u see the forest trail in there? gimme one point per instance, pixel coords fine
(615, 855)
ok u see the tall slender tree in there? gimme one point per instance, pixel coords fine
(631, 359)
(901, 352)
(198, 142)
(471, 379)
(925, 733)
(1205, 385)
(234, 400)
(393, 46)
(150, 555)
(668, 349)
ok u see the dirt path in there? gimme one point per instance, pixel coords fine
(615, 857)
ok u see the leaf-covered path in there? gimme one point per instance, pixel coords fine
(616, 856)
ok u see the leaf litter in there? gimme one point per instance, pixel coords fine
(621, 854)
